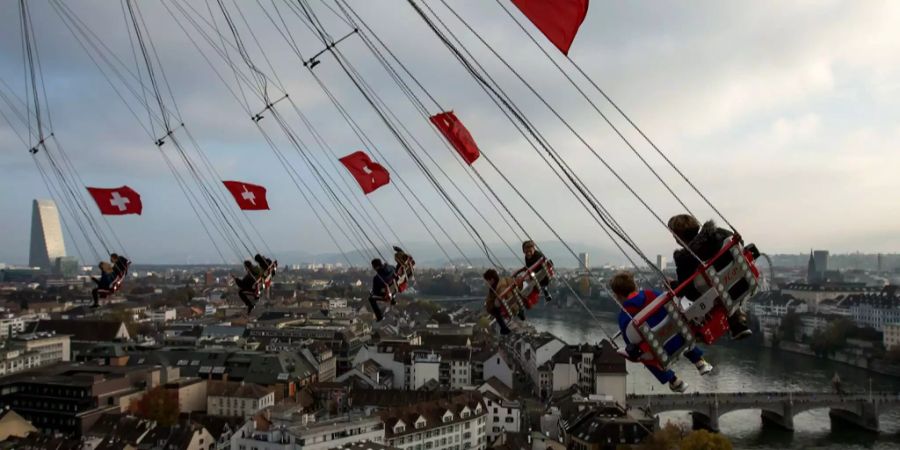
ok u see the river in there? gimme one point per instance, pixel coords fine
(747, 367)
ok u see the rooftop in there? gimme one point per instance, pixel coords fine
(237, 390)
(433, 411)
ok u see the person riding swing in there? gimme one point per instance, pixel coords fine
(247, 285)
(381, 282)
(104, 283)
(704, 242)
(532, 257)
(626, 292)
(494, 303)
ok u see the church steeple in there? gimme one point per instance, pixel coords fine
(811, 273)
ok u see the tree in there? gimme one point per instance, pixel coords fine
(790, 326)
(158, 405)
(832, 338)
(704, 440)
(666, 438)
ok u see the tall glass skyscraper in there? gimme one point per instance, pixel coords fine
(46, 236)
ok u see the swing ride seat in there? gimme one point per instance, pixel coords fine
(264, 281)
(663, 343)
(726, 281)
(539, 271)
(270, 273)
(116, 283)
(734, 277)
(398, 284)
(514, 297)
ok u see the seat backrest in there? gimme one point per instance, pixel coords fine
(656, 336)
(117, 281)
(700, 307)
(541, 269)
(719, 263)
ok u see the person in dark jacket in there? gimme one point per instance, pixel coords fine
(384, 276)
(247, 285)
(263, 262)
(532, 256)
(104, 283)
(119, 264)
(704, 241)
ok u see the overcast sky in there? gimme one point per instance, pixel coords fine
(785, 114)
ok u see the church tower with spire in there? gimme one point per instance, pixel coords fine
(812, 276)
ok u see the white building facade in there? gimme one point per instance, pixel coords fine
(243, 400)
(461, 429)
(892, 336)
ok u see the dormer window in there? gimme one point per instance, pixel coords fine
(448, 416)
(478, 409)
(420, 423)
(399, 427)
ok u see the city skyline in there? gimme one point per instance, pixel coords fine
(792, 137)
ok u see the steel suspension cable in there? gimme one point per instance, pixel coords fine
(343, 63)
(572, 130)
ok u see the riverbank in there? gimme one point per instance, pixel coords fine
(851, 359)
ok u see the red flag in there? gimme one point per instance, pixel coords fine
(117, 201)
(248, 196)
(457, 134)
(370, 175)
(558, 19)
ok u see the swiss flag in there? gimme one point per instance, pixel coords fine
(370, 175)
(248, 196)
(117, 201)
(558, 19)
(457, 134)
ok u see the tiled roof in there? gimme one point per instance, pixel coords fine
(175, 436)
(505, 391)
(391, 397)
(237, 390)
(445, 340)
(81, 330)
(125, 428)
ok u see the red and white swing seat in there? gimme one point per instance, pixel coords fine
(116, 283)
(733, 276)
(265, 281)
(514, 297)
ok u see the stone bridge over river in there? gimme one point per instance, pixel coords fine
(859, 410)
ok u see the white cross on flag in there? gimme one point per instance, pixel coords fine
(117, 201)
(248, 196)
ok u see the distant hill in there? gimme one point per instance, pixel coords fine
(429, 255)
